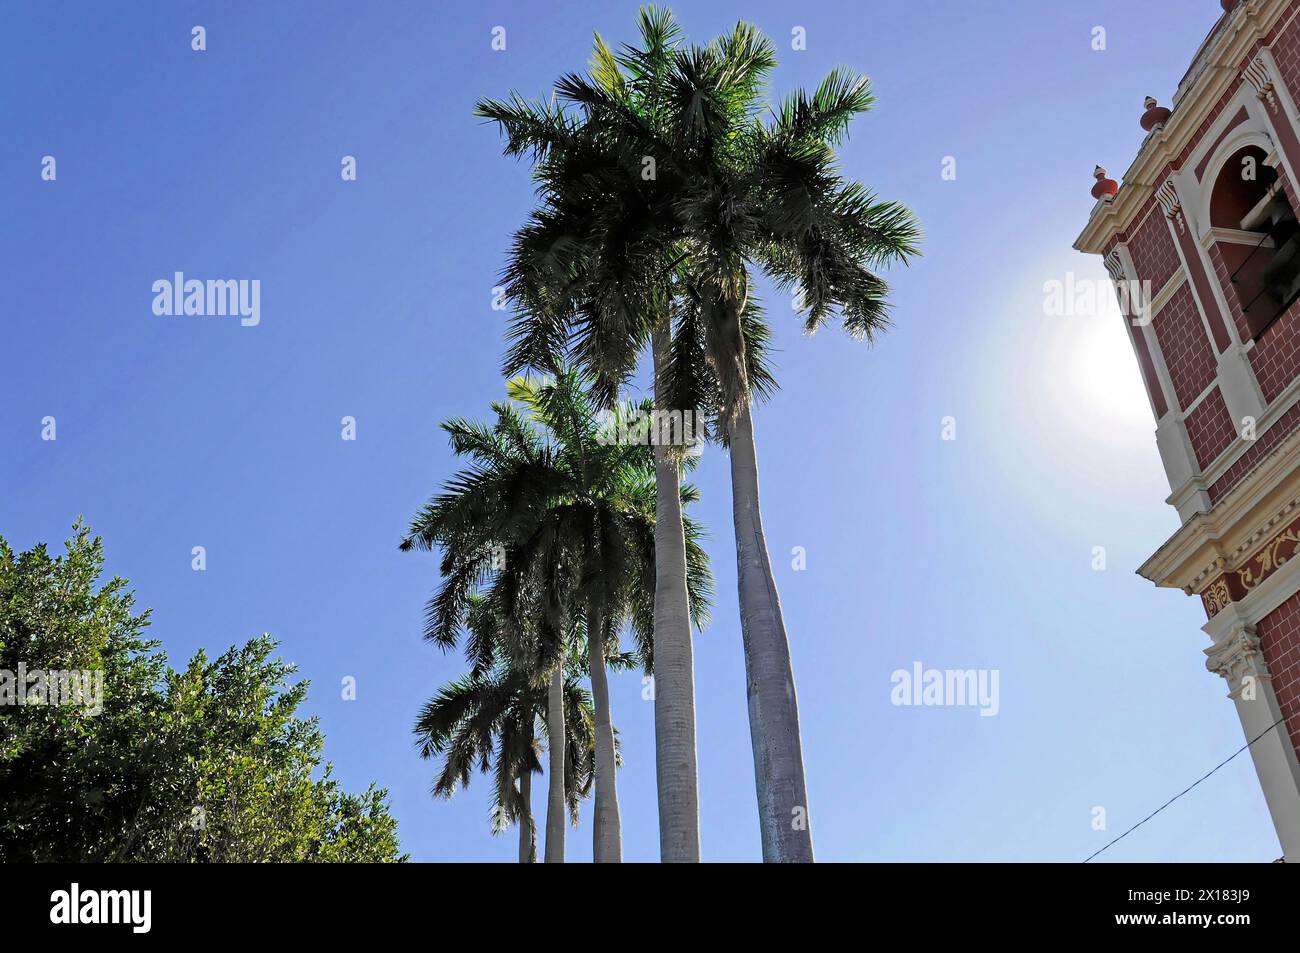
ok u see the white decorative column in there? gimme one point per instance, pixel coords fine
(1237, 657)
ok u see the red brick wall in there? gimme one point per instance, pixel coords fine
(1286, 51)
(1147, 365)
(1185, 345)
(1264, 444)
(1154, 255)
(1240, 117)
(1276, 356)
(1279, 639)
(1210, 428)
(1195, 141)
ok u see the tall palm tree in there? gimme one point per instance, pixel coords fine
(731, 192)
(564, 521)
(484, 523)
(617, 550)
(594, 246)
(488, 719)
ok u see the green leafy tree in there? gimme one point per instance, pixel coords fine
(209, 763)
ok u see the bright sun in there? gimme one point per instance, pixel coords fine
(1101, 367)
(1072, 381)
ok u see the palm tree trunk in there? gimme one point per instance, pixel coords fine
(674, 665)
(527, 827)
(607, 843)
(555, 801)
(773, 707)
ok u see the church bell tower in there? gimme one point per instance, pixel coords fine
(1202, 239)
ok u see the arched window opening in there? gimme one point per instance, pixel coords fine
(1256, 232)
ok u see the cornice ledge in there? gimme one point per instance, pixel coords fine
(1196, 552)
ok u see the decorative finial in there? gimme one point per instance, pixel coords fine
(1104, 188)
(1228, 5)
(1155, 114)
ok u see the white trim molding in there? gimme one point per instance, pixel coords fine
(1259, 76)
(1119, 265)
(1167, 196)
(1235, 655)
(1253, 132)
(1241, 391)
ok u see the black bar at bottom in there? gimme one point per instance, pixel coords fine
(331, 903)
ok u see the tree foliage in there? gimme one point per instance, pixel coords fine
(209, 763)
(665, 179)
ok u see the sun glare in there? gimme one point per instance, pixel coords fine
(1102, 371)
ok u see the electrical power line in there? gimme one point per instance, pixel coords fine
(1188, 788)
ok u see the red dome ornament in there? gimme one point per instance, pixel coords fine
(1228, 5)
(1155, 114)
(1104, 188)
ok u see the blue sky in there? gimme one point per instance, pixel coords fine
(175, 432)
